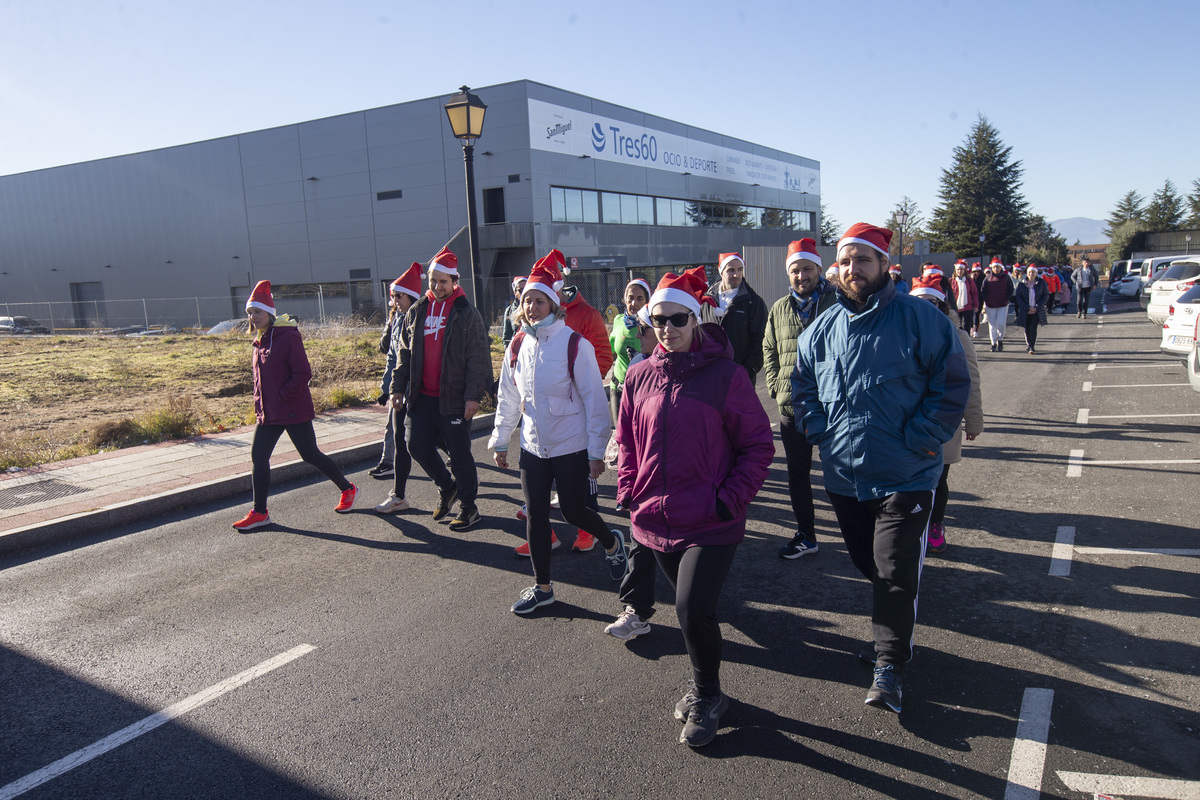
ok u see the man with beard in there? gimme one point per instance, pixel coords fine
(810, 295)
(880, 384)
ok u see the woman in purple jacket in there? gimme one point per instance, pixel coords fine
(695, 446)
(282, 403)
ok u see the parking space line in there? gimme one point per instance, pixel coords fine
(1075, 464)
(1087, 386)
(1133, 551)
(1158, 365)
(1136, 417)
(1064, 551)
(1143, 461)
(1082, 418)
(1028, 760)
(1133, 385)
(131, 732)
(1128, 786)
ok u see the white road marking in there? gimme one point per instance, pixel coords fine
(1087, 386)
(1082, 419)
(1134, 385)
(1064, 548)
(131, 732)
(1132, 551)
(1158, 365)
(1147, 461)
(1128, 786)
(1028, 760)
(1091, 367)
(1075, 464)
(1136, 417)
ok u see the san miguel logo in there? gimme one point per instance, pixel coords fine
(558, 130)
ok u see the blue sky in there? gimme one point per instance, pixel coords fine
(1093, 96)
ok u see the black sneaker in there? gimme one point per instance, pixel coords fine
(885, 690)
(467, 516)
(618, 560)
(686, 702)
(445, 501)
(802, 544)
(703, 720)
(382, 470)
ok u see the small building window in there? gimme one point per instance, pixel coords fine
(395, 194)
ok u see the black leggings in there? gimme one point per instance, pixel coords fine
(941, 495)
(1081, 303)
(968, 320)
(571, 473)
(304, 438)
(697, 575)
(1031, 326)
(402, 461)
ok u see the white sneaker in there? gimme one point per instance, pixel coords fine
(628, 625)
(554, 499)
(392, 505)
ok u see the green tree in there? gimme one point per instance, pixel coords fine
(980, 194)
(1165, 211)
(831, 229)
(912, 229)
(1129, 208)
(1042, 244)
(1126, 238)
(1193, 201)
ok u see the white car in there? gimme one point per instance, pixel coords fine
(1179, 277)
(1128, 286)
(1179, 333)
(1193, 365)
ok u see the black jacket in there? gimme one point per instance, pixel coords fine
(466, 357)
(745, 323)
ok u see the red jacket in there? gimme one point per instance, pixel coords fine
(972, 303)
(589, 323)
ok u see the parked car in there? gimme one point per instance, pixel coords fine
(21, 325)
(1180, 276)
(1193, 366)
(1117, 271)
(1129, 286)
(1179, 332)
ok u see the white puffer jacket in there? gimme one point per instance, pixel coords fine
(559, 416)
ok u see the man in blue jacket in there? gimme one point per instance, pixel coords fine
(881, 383)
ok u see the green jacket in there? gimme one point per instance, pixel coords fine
(779, 345)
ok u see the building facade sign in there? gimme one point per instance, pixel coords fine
(558, 129)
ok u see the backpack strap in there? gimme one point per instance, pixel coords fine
(572, 350)
(514, 347)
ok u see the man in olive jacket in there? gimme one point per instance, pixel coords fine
(739, 311)
(443, 372)
(810, 294)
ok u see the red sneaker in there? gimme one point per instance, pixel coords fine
(583, 542)
(347, 501)
(252, 520)
(521, 515)
(523, 550)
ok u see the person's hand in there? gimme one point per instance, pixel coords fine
(501, 459)
(597, 468)
(472, 409)
(382, 399)
(972, 437)
(398, 402)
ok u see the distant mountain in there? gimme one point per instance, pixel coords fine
(1087, 231)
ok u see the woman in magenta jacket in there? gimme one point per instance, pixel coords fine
(695, 447)
(282, 404)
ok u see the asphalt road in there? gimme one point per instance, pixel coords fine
(417, 681)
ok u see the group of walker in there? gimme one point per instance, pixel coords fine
(878, 380)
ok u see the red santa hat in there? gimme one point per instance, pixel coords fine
(726, 258)
(960, 263)
(927, 286)
(445, 262)
(640, 282)
(261, 298)
(996, 261)
(976, 268)
(871, 235)
(518, 279)
(804, 249)
(931, 270)
(547, 276)
(896, 270)
(688, 290)
(409, 283)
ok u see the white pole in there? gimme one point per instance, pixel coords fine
(145, 314)
(199, 323)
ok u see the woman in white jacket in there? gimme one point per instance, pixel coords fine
(553, 388)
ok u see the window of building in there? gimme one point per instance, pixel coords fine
(615, 208)
(493, 206)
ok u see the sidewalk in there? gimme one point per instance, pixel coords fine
(56, 502)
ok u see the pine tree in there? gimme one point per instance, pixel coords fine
(831, 230)
(1165, 212)
(1129, 209)
(981, 194)
(1126, 238)
(910, 231)
(1193, 201)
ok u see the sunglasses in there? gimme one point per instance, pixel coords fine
(676, 320)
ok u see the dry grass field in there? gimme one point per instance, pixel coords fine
(67, 396)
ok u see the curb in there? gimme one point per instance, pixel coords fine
(59, 531)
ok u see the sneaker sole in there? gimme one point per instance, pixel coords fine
(456, 527)
(531, 609)
(810, 551)
(395, 510)
(633, 634)
(577, 549)
(879, 702)
(252, 525)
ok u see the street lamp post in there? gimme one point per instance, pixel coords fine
(902, 218)
(465, 112)
(982, 239)
(1188, 247)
